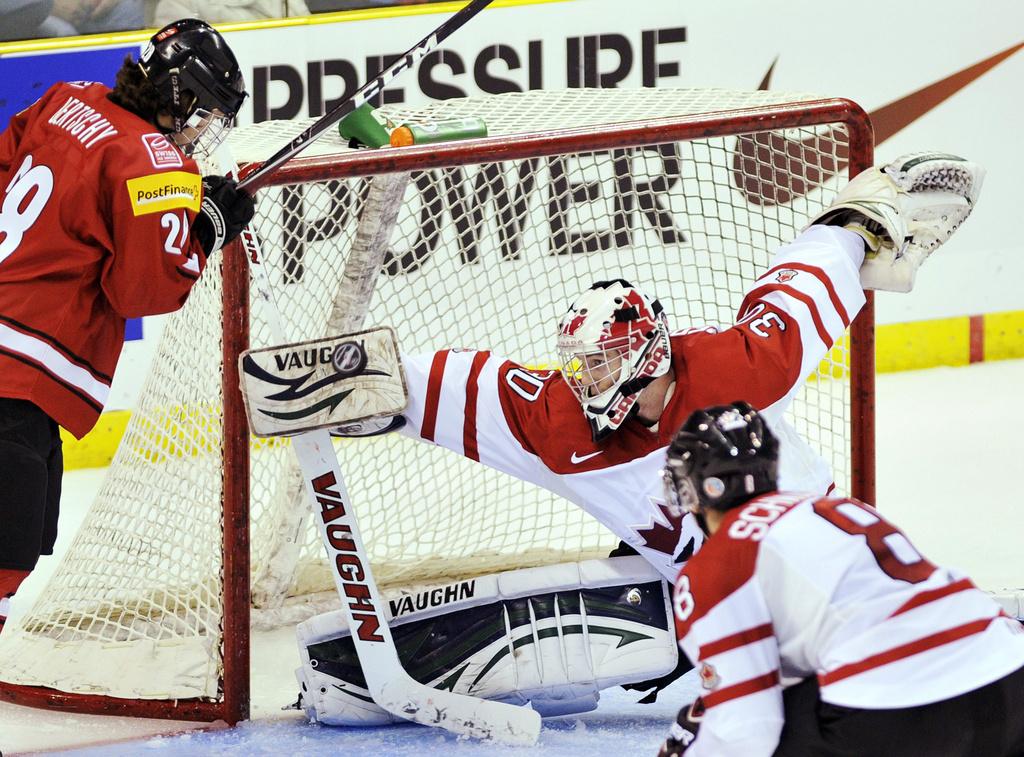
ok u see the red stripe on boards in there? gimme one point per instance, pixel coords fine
(433, 398)
(469, 446)
(976, 324)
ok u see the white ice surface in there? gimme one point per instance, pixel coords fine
(950, 442)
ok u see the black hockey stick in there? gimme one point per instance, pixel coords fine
(258, 178)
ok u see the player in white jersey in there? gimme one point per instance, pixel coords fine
(596, 432)
(888, 653)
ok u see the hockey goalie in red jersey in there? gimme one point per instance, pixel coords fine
(596, 432)
(103, 217)
(882, 653)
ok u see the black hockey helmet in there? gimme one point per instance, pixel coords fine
(721, 457)
(198, 81)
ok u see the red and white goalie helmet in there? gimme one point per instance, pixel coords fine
(612, 343)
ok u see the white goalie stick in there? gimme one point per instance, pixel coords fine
(377, 218)
(391, 687)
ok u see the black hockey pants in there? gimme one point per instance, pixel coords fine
(31, 466)
(986, 722)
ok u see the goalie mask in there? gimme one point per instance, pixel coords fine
(198, 82)
(612, 343)
(721, 457)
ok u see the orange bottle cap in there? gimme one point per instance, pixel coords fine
(402, 137)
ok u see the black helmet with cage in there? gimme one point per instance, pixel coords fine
(722, 457)
(198, 82)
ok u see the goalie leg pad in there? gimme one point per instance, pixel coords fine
(551, 636)
(326, 700)
(904, 211)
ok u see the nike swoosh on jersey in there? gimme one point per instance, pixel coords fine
(762, 163)
(577, 459)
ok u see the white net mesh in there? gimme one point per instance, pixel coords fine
(483, 255)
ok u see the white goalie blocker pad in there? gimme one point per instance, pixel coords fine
(348, 379)
(552, 636)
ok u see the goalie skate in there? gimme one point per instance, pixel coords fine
(904, 211)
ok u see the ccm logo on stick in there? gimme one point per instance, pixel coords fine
(347, 562)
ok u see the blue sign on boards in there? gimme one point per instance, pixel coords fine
(24, 79)
(133, 329)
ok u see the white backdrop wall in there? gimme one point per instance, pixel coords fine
(875, 52)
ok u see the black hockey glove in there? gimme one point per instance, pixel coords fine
(683, 731)
(223, 214)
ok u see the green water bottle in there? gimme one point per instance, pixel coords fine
(446, 130)
(361, 128)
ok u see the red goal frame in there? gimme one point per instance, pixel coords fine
(234, 704)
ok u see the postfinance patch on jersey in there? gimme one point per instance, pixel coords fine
(165, 191)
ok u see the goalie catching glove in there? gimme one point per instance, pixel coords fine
(223, 214)
(904, 211)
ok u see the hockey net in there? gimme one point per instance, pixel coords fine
(682, 192)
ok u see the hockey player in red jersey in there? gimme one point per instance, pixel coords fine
(818, 627)
(103, 217)
(596, 432)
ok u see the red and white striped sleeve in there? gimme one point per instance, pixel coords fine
(786, 324)
(725, 628)
(814, 283)
(455, 402)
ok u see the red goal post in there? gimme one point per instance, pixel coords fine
(693, 192)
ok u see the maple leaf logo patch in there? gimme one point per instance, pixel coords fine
(709, 677)
(668, 533)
